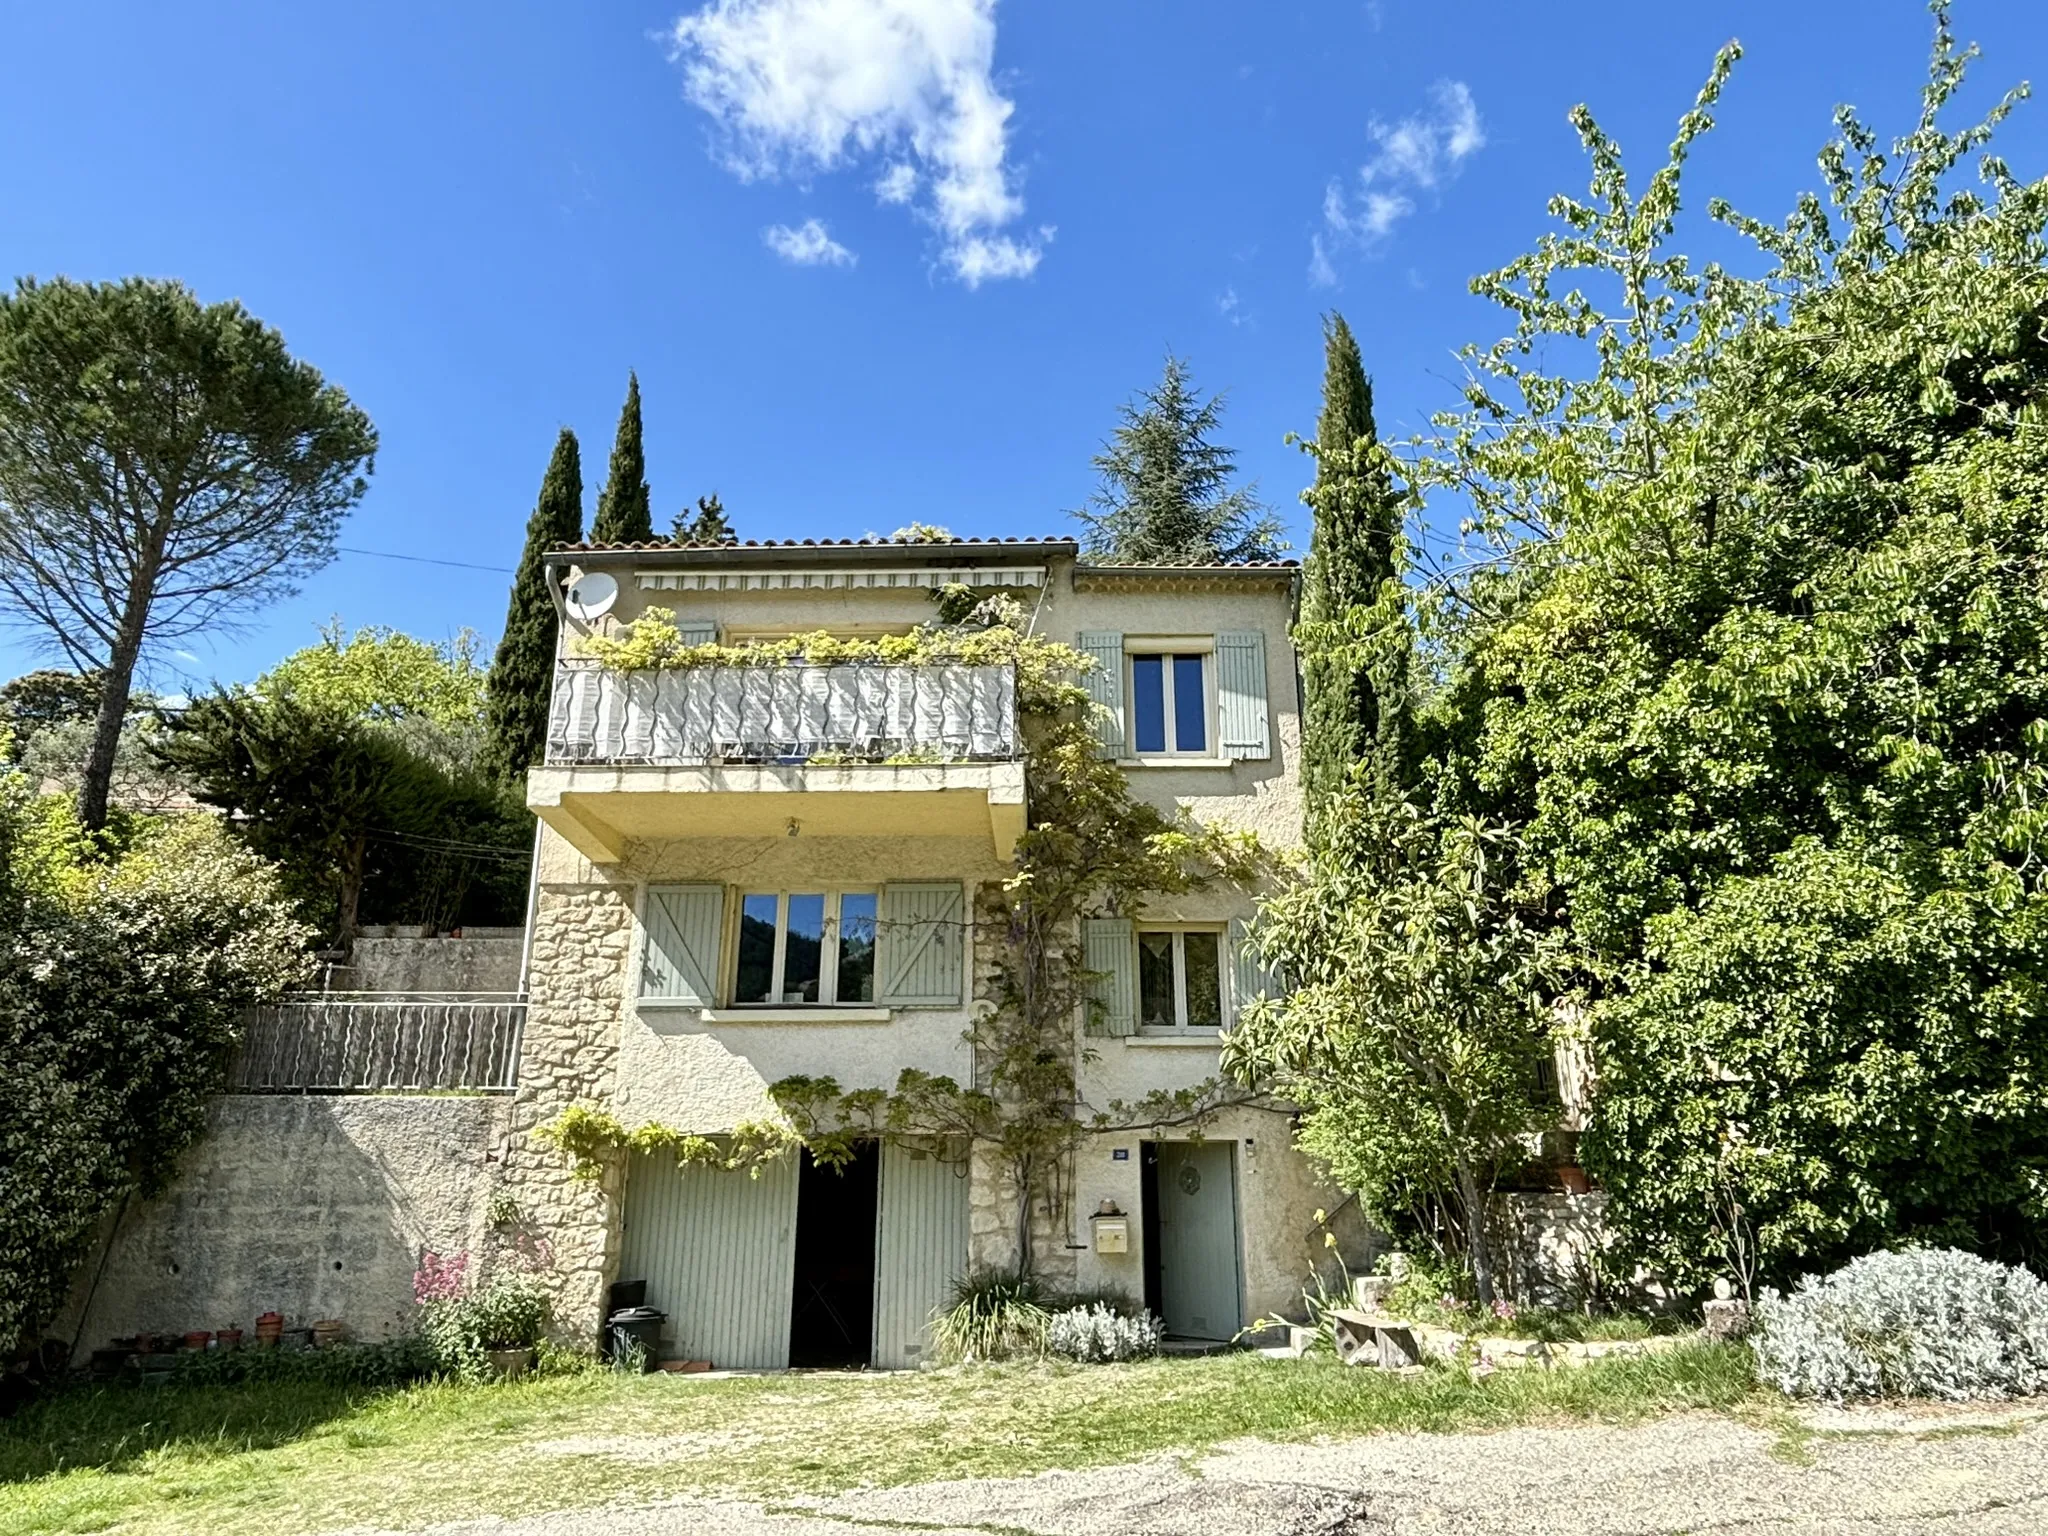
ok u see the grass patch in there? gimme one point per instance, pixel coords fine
(261, 1457)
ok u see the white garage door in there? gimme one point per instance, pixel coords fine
(717, 1251)
(920, 1250)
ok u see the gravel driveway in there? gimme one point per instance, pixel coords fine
(1926, 1472)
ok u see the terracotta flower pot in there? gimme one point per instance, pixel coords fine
(327, 1332)
(1574, 1180)
(269, 1329)
(229, 1338)
(198, 1338)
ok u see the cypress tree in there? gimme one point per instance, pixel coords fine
(625, 513)
(1352, 703)
(522, 671)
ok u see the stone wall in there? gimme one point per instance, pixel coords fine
(583, 934)
(1547, 1245)
(313, 1207)
(478, 960)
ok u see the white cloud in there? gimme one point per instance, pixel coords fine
(1231, 308)
(803, 86)
(808, 245)
(1417, 154)
(898, 184)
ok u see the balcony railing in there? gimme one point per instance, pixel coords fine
(369, 1044)
(787, 714)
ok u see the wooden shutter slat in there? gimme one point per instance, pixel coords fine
(1105, 684)
(1241, 694)
(1109, 948)
(684, 924)
(921, 948)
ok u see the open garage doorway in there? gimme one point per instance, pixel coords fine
(831, 1315)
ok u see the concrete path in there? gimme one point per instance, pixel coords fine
(1917, 1474)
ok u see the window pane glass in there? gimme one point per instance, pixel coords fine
(1190, 705)
(1148, 703)
(756, 972)
(1155, 980)
(857, 948)
(803, 955)
(1205, 981)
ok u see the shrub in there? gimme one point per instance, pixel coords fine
(508, 1311)
(996, 1315)
(1919, 1323)
(1099, 1335)
(393, 1364)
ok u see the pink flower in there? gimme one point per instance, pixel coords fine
(439, 1279)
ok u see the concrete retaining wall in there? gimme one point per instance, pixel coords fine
(313, 1207)
(480, 960)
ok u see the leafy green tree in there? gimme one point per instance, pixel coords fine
(1166, 495)
(708, 527)
(123, 980)
(625, 513)
(46, 697)
(1354, 670)
(351, 813)
(431, 693)
(523, 670)
(1418, 957)
(1756, 660)
(163, 466)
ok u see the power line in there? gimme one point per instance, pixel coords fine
(460, 565)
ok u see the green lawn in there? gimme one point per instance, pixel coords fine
(277, 1457)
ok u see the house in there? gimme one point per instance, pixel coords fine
(750, 874)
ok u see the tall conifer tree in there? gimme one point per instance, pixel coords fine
(522, 672)
(1166, 496)
(625, 512)
(1351, 706)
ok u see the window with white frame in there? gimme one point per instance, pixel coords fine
(1180, 980)
(1172, 693)
(805, 949)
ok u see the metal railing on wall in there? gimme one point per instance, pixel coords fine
(858, 712)
(366, 1044)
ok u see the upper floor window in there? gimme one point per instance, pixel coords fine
(1180, 979)
(1197, 697)
(1170, 703)
(805, 948)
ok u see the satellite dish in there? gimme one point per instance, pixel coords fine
(591, 597)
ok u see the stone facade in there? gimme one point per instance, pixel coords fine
(582, 935)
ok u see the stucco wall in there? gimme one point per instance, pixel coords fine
(313, 1207)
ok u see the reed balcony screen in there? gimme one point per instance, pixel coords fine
(857, 713)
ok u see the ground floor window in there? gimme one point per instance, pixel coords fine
(1180, 979)
(805, 948)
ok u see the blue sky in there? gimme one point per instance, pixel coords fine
(476, 218)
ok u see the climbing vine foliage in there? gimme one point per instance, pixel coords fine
(1091, 848)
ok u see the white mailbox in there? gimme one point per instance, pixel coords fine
(1112, 1234)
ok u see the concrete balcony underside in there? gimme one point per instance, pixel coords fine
(599, 809)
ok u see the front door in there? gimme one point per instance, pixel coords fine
(1196, 1221)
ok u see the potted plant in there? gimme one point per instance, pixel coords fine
(511, 1316)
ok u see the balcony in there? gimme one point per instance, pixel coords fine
(857, 750)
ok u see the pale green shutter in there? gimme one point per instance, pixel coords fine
(1109, 948)
(921, 950)
(1106, 687)
(1251, 976)
(1241, 694)
(684, 925)
(697, 631)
